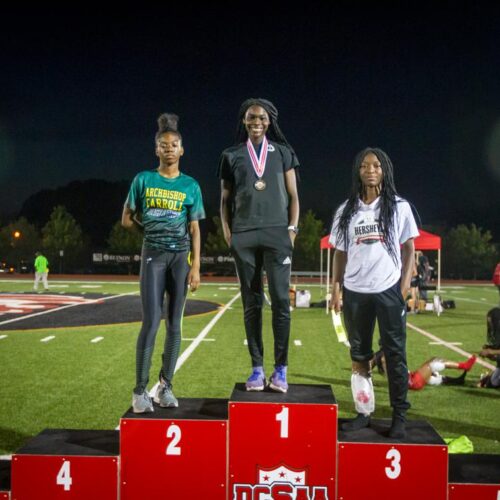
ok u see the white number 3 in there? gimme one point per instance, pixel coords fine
(394, 470)
(64, 476)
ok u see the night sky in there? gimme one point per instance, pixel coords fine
(80, 93)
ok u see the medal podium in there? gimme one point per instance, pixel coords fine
(175, 452)
(474, 476)
(252, 446)
(4, 479)
(282, 443)
(414, 468)
(67, 464)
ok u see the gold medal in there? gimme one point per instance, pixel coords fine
(260, 185)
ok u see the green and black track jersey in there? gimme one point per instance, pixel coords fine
(252, 208)
(166, 207)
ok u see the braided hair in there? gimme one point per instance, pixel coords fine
(167, 122)
(273, 132)
(388, 201)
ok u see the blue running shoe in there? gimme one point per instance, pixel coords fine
(256, 381)
(277, 382)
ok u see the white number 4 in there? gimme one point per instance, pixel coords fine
(64, 476)
(394, 470)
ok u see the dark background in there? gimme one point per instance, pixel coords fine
(80, 91)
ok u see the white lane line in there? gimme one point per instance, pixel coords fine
(444, 343)
(65, 307)
(3, 337)
(297, 342)
(450, 346)
(463, 299)
(48, 339)
(204, 340)
(197, 341)
(97, 339)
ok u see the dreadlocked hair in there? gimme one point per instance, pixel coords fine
(273, 132)
(167, 122)
(388, 201)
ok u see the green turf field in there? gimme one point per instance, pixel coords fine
(70, 382)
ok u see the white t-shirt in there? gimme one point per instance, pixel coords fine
(370, 268)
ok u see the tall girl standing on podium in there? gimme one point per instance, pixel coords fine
(373, 232)
(167, 204)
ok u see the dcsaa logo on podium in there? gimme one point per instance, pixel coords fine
(278, 482)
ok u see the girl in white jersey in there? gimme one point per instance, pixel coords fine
(367, 232)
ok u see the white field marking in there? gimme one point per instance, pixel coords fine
(97, 339)
(91, 286)
(297, 342)
(223, 288)
(475, 301)
(204, 340)
(48, 339)
(444, 343)
(453, 287)
(3, 337)
(197, 341)
(65, 307)
(57, 286)
(245, 342)
(450, 346)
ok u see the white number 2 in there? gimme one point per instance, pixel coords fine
(394, 470)
(64, 476)
(282, 417)
(174, 431)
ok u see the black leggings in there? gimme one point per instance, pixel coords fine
(160, 272)
(269, 248)
(389, 308)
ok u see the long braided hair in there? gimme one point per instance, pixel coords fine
(388, 200)
(273, 132)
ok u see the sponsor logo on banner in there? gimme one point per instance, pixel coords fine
(280, 482)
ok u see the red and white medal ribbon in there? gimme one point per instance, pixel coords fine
(259, 164)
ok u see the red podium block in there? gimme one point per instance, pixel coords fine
(416, 468)
(175, 452)
(474, 476)
(282, 445)
(4, 479)
(67, 464)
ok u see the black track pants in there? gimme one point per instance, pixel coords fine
(161, 272)
(269, 248)
(389, 308)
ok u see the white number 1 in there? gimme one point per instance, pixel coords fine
(64, 476)
(394, 470)
(282, 417)
(174, 431)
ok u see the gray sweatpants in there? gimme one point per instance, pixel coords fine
(162, 274)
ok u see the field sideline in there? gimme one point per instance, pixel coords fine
(81, 377)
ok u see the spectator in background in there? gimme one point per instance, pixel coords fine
(491, 349)
(41, 271)
(424, 272)
(496, 277)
